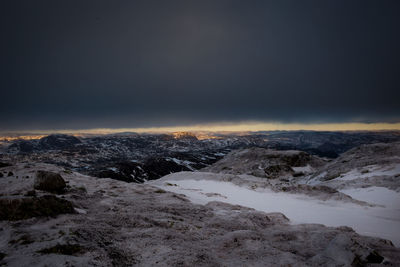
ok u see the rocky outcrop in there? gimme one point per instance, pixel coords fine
(276, 171)
(50, 182)
(267, 163)
(24, 208)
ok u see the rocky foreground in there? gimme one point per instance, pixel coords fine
(103, 222)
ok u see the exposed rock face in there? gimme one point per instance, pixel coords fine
(24, 208)
(49, 181)
(267, 163)
(275, 171)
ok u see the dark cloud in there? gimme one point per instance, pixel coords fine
(83, 64)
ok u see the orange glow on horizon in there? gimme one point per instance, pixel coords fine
(25, 137)
(221, 127)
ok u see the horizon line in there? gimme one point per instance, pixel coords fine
(226, 127)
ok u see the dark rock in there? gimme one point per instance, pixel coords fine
(49, 181)
(159, 167)
(24, 208)
(374, 257)
(64, 249)
(310, 190)
(1, 175)
(160, 191)
(2, 255)
(325, 189)
(31, 193)
(153, 168)
(23, 240)
(119, 257)
(331, 176)
(297, 160)
(10, 174)
(274, 171)
(357, 262)
(3, 164)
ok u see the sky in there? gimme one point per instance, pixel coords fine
(137, 64)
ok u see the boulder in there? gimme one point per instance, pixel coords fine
(49, 181)
(275, 171)
(3, 164)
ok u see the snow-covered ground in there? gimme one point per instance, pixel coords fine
(379, 221)
(377, 195)
(369, 171)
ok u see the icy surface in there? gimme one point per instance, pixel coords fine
(371, 171)
(374, 221)
(378, 195)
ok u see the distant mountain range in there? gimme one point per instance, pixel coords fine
(134, 157)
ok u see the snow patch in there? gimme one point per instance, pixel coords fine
(376, 195)
(304, 169)
(381, 222)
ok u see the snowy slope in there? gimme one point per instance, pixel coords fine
(367, 165)
(380, 221)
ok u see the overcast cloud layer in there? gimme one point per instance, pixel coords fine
(84, 64)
